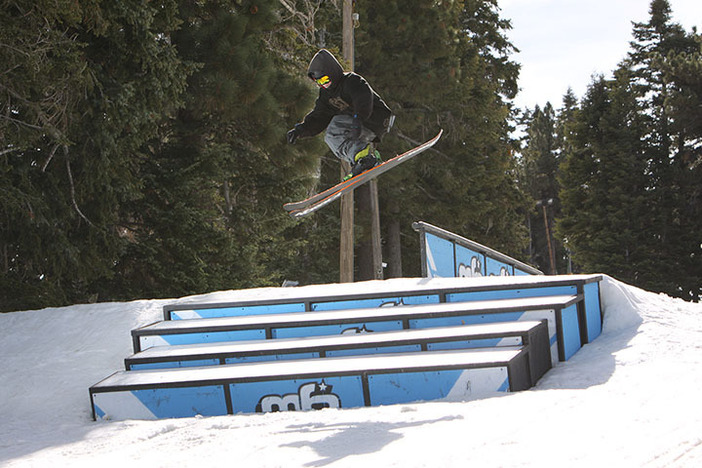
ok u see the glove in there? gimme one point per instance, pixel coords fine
(294, 134)
(356, 127)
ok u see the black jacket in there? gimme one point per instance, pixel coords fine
(349, 93)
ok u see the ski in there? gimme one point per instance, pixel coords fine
(315, 202)
(293, 206)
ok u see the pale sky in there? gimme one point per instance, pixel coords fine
(564, 42)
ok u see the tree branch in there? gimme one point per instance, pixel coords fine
(73, 188)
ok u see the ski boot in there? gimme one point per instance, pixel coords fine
(365, 159)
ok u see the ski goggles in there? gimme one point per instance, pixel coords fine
(323, 81)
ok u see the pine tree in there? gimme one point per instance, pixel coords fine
(630, 181)
(657, 43)
(565, 120)
(221, 171)
(539, 180)
(100, 79)
(444, 64)
(37, 95)
(603, 187)
(684, 70)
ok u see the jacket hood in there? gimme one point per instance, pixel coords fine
(324, 63)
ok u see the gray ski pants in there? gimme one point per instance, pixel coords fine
(342, 145)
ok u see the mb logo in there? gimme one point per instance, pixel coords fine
(472, 270)
(313, 395)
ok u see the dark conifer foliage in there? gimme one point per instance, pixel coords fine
(674, 181)
(539, 179)
(603, 186)
(445, 65)
(144, 154)
(630, 177)
(143, 149)
(84, 86)
(220, 170)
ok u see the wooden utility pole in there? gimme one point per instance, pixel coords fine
(346, 266)
(346, 248)
(375, 230)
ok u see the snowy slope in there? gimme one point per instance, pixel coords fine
(631, 398)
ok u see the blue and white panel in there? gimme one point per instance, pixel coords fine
(335, 329)
(549, 315)
(566, 290)
(236, 311)
(447, 258)
(440, 257)
(297, 394)
(593, 313)
(148, 341)
(270, 357)
(469, 263)
(160, 403)
(375, 302)
(301, 394)
(472, 344)
(174, 364)
(571, 331)
(407, 387)
(412, 348)
(301, 385)
(496, 268)
(319, 351)
(467, 319)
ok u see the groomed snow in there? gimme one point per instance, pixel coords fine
(631, 398)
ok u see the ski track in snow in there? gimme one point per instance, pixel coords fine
(629, 398)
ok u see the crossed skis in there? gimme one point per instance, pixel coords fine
(310, 205)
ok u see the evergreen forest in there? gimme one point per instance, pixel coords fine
(143, 150)
(617, 175)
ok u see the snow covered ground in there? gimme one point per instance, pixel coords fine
(631, 398)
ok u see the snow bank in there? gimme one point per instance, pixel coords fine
(630, 398)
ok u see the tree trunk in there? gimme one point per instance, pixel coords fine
(393, 246)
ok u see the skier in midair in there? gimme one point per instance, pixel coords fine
(354, 116)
